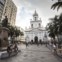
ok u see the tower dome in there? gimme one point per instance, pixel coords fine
(35, 13)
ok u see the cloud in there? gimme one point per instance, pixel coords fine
(23, 17)
(26, 9)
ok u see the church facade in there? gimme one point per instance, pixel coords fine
(36, 31)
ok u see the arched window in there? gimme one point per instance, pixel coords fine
(39, 25)
(32, 25)
(35, 18)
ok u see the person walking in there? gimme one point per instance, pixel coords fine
(26, 44)
(54, 47)
(15, 48)
(9, 50)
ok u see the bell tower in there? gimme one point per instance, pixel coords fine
(36, 22)
(35, 16)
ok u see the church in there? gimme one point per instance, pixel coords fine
(36, 31)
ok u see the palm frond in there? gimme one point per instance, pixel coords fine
(56, 5)
(59, 6)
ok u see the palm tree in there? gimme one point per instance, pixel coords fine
(12, 29)
(57, 5)
(55, 26)
(17, 32)
(60, 24)
(55, 23)
(50, 29)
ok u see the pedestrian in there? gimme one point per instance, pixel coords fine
(9, 50)
(0, 44)
(15, 48)
(54, 47)
(26, 44)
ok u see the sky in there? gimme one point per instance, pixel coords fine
(26, 8)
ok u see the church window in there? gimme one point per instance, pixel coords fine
(32, 25)
(39, 25)
(35, 18)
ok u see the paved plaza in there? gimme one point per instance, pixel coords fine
(33, 53)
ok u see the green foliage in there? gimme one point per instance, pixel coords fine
(11, 30)
(14, 31)
(55, 26)
(56, 5)
(60, 24)
(50, 29)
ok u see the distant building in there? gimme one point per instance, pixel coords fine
(2, 4)
(36, 30)
(10, 11)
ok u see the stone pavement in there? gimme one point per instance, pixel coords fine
(52, 50)
(33, 53)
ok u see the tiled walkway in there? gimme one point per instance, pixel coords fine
(33, 53)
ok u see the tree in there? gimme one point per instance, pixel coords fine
(60, 24)
(50, 29)
(17, 32)
(55, 21)
(11, 30)
(57, 5)
(53, 27)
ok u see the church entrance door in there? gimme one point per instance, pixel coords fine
(36, 39)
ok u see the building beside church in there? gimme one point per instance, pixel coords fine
(2, 4)
(10, 11)
(36, 31)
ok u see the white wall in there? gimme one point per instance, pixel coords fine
(35, 24)
(31, 35)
